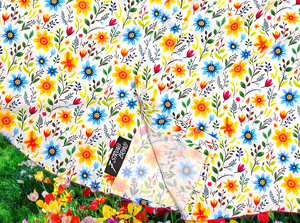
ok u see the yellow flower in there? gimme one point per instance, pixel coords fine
(234, 26)
(201, 213)
(157, 1)
(69, 62)
(126, 119)
(86, 155)
(133, 211)
(229, 127)
(238, 69)
(169, 42)
(53, 207)
(196, 133)
(291, 184)
(7, 120)
(291, 17)
(24, 3)
(39, 176)
(83, 6)
(65, 116)
(40, 203)
(46, 86)
(201, 107)
(262, 43)
(282, 138)
(122, 75)
(43, 41)
(108, 212)
(231, 185)
(179, 70)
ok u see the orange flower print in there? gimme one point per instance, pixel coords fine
(83, 6)
(151, 159)
(86, 155)
(65, 116)
(201, 212)
(229, 127)
(121, 185)
(291, 17)
(122, 75)
(33, 142)
(238, 69)
(179, 70)
(262, 43)
(43, 41)
(69, 62)
(282, 138)
(101, 37)
(196, 133)
(234, 27)
(169, 3)
(24, 3)
(46, 86)
(201, 107)
(126, 119)
(291, 184)
(169, 42)
(259, 100)
(7, 120)
(231, 185)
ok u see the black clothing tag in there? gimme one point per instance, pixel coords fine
(117, 156)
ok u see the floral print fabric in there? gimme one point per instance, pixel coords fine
(207, 92)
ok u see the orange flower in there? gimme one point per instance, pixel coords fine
(256, 26)
(82, 53)
(46, 86)
(282, 138)
(169, 42)
(169, 3)
(238, 69)
(7, 120)
(47, 133)
(151, 159)
(86, 155)
(124, 52)
(214, 203)
(126, 119)
(196, 133)
(83, 6)
(89, 132)
(291, 184)
(276, 34)
(229, 127)
(5, 17)
(259, 100)
(122, 75)
(101, 37)
(31, 121)
(242, 118)
(179, 70)
(8, 98)
(46, 18)
(109, 179)
(262, 43)
(203, 85)
(256, 201)
(201, 212)
(24, 3)
(161, 86)
(69, 62)
(225, 107)
(65, 116)
(291, 17)
(176, 128)
(43, 41)
(201, 107)
(47, 180)
(231, 185)
(237, 5)
(283, 114)
(234, 27)
(67, 42)
(33, 141)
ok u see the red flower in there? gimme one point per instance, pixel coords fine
(190, 53)
(77, 101)
(82, 207)
(149, 209)
(32, 110)
(100, 200)
(49, 197)
(268, 83)
(70, 31)
(75, 219)
(112, 143)
(161, 87)
(297, 2)
(161, 211)
(93, 205)
(219, 220)
(44, 113)
(8, 98)
(195, 7)
(238, 99)
(86, 192)
(259, 14)
(5, 17)
(112, 22)
(80, 35)
(141, 216)
(226, 95)
(241, 168)
(263, 217)
(82, 53)
(69, 212)
(209, 184)
(157, 68)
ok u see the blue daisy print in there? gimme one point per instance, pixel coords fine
(140, 172)
(88, 71)
(168, 104)
(95, 185)
(248, 135)
(186, 170)
(54, 4)
(132, 35)
(52, 151)
(126, 172)
(122, 94)
(175, 28)
(233, 46)
(52, 71)
(246, 54)
(283, 158)
(162, 121)
(202, 126)
(164, 17)
(201, 23)
(131, 103)
(42, 60)
(85, 175)
(294, 167)
(156, 13)
(278, 51)
(289, 97)
(17, 82)
(221, 215)
(262, 182)
(143, 201)
(10, 34)
(211, 68)
(97, 116)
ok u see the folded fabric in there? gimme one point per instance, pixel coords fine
(191, 105)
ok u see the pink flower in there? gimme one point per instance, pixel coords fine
(143, 130)
(226, 95)
(32, 110)
(77, 101)
(268, 83)
(237, 99)
(33, 196)
(80, 35)
(88, 220)
(112, 143)
(241, 168)
(157, 68)
(112, 22)
(44, 113)
(190, 53)
(24, 221)
(70, 31)
(259, 14)
(269, 17)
